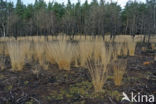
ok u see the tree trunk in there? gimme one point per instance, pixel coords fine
(126, 27)
(144, 39)
(149, 36)
(4, 33)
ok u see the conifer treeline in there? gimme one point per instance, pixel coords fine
(95, 18)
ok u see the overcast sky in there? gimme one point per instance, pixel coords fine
(121, 2)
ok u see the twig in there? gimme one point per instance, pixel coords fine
(35, 100)
(110, 99)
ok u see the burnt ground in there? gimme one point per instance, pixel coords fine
(55, 86)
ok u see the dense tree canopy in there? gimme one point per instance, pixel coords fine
(96, 18)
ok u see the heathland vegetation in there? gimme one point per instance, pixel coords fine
(93, 53)
(76, 53)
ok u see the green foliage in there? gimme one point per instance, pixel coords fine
(20, 8)
(40, 4)
(28, 12)
(29, 102)
(78, 89)
(9, 87)
(26, 82)
(2, 76)
(116, 95)
(59, 10)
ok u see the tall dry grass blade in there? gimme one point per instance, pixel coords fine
(76, 54)
(98, 45)
(86, 50)
(63, 53)
(124, 49)
(98, 68)
(41, 54)
(131, 47)
(17, 52)
(119, 68)
(50, 51)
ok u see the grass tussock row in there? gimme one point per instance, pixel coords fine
(94, 54)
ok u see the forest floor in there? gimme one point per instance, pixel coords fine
(55, 86)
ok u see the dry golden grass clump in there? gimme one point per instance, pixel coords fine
(98, 45)
(17, 52)
(98, 74)
(30, 52)
(62, 52)
(39, 52)
(153, 39)
(36, 70)
(2, 63)
(129, 44)
(123, 38)
(49, 52)
(119, 48)
(50, 38)
(62, 36)
(138, 38)
(98, 69)
(2, 66)
(77, 37)
(119, 68)
(86, 50)
(153, 46)
(38, 38)
(3, 49)
(107, 52)
(5, 39)
(131, 47)
(26, 48)
(84, 37)
(124, 49)
(107, 38)
(76, 54)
